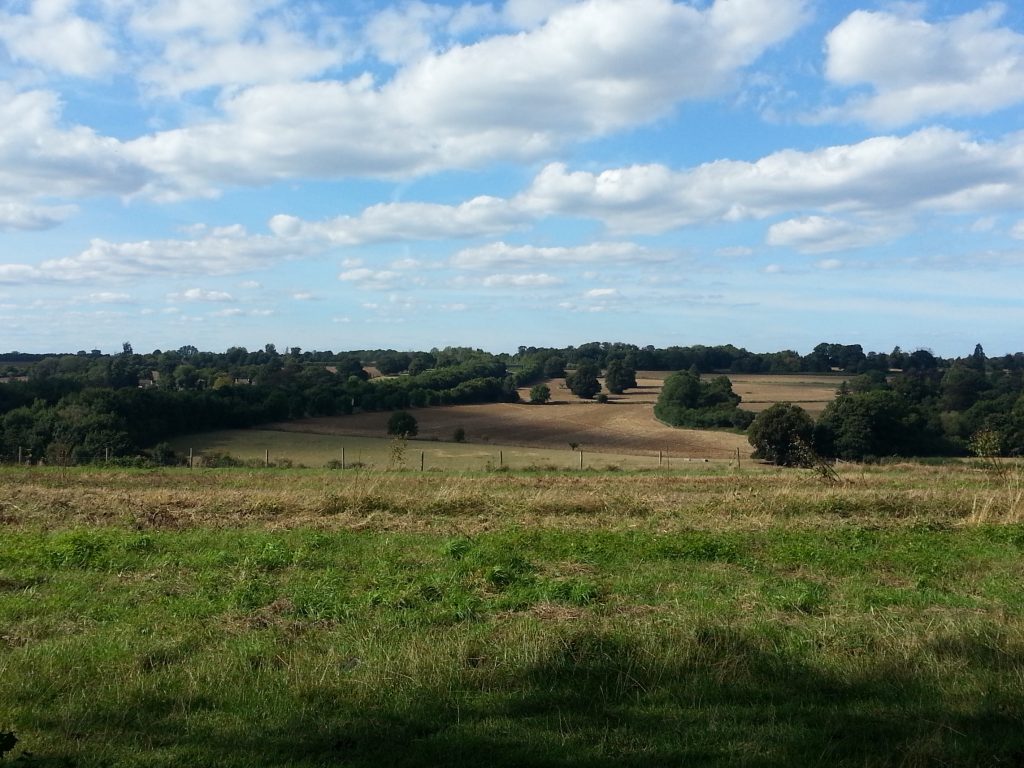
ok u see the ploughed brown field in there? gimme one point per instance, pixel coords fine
(626, 424)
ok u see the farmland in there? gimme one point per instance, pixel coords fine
(621, 433)
(710, 615)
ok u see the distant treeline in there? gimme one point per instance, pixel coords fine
(89, 405)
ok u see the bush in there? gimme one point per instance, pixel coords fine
(782, 434)
(402, 424)
(540, 393)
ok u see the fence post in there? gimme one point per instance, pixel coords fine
(422, 454)
(19, 455)
(267, 459)
(501, 458)
(581, 458)
(343, 457)
(190, 458)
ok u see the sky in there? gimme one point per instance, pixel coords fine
(408, 175)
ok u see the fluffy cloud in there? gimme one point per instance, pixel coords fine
(223, 20)
(968, 65)
(279, 55)
(821, 234)
(931, 169)
(14, 215)
(223, 252)
(373, 280)
(594, 67)
(39, 158)
(407, 221)
(53, 37)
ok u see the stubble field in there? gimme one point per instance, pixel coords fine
(622, 433)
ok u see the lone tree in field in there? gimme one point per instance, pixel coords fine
(782, 434)
(583, 381)
(402, 424)
(619, 377)
(540, 393)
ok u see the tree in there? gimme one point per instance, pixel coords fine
(781, 434)
(540, 393)
(619, 377)
(583, 381)
(402, 424)
(554, 367)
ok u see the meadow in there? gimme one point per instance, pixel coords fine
(699, 615)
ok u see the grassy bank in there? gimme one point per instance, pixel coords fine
(310, 618)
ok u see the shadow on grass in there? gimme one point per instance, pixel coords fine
(597, 698)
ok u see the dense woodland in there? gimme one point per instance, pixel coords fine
(88, 405)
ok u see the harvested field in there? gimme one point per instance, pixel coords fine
(619, 426)
(624, 425)
(811, 392)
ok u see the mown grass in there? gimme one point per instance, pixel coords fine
(244, 618)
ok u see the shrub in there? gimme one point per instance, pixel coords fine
(402, 424)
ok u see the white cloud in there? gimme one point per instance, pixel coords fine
(401, 34)
(53, 37)
(279, 55)
(408, 221)
(303, 296)
(820, 234)
(593, 68)
(1017, 231)
(374, 280)
(230, 312)
(966, 65)
(109, 297)
(223, 252)
(931, 169)
(40, 159)
(505, 255)
(19, 216)
(225, 19)
(601, 293)
(527, 14)
(830, 264)
(198, 294)
(521, 281)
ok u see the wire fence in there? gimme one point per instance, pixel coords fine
(396, 456)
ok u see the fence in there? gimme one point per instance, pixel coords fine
(396, 455)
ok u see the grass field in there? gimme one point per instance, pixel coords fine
(297, 443)
(312, 617)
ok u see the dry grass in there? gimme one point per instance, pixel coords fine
(460, 504)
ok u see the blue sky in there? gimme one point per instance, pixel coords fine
(342, 175)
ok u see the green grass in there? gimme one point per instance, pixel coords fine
(751, 620)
